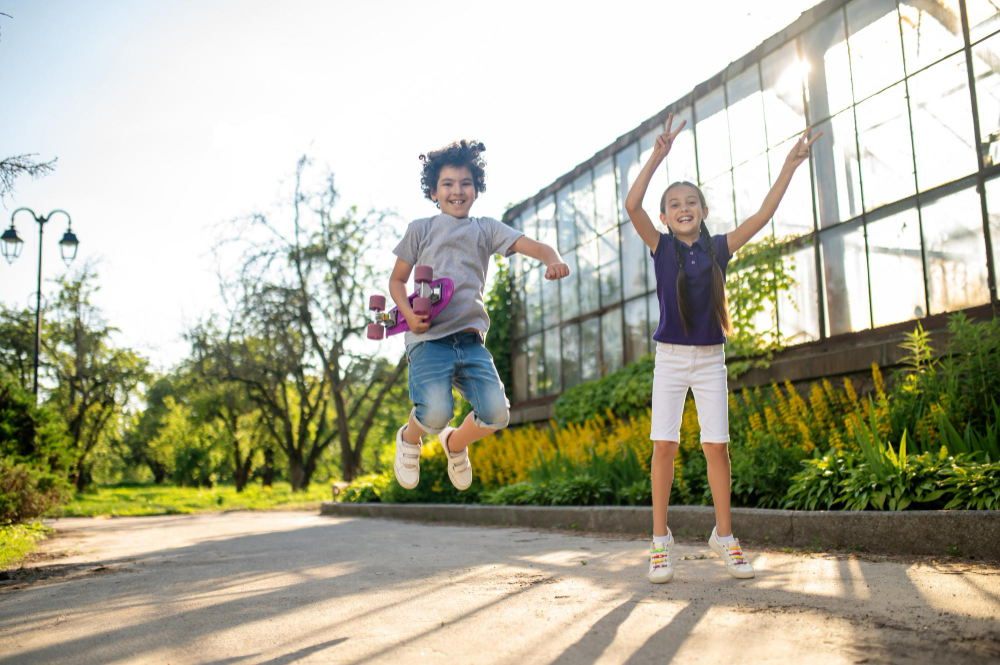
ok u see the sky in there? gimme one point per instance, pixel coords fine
(171, 119)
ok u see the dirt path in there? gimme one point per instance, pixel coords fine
(300, 588)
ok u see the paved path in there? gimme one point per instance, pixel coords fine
(300, 588)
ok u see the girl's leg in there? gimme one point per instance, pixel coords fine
(719, 479)
(663, 478)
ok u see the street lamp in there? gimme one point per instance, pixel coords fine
(11, 245)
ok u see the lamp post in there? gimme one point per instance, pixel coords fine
(10, 247)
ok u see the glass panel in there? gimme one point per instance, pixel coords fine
(533, 301)
(886, 151)
(587, 257)
(611, 337)
(590, 348)
(751, 184)
(653, 307)
(993, 206)
(782, 75)
(515, 222)
(553, 371)
(836, 170)
(627, 167)
(658, 183)
(955, 251)
(798, 310)
(930, 32)
(536, 370)
(719, 197)
(896, 268)
(608, 253)
(984, 18)
(520, 370)
(605, 196)
(567, 219)
(681, 164)
(519, 324)
(634, 260)
(713, 135)
(550, 301)
(583, 202)
(636, 330)
(876, 52)
(650, 270)
(530, 221)
(845, 277)
(746, 116)
(794, 216)
(986, 67)
(943, 134)
(569, 288)
(571, 355)
(824, 47)
(547, 232)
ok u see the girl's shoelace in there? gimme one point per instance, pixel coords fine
(736, 555)
(659, 558)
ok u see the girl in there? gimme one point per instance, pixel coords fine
(690, 267)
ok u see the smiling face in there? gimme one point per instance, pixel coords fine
(683, 211)
(455, 191)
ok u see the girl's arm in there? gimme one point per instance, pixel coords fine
(397, 290)
(547, 254)
(753, 224)
(633, 202)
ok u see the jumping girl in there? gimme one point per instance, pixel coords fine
(690, 267)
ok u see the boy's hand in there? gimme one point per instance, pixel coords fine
(800, 150)
(557, 271)
(665, 140)
(418, 324)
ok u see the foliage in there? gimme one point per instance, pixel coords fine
(500, 304)
(26, 492)
(624, 393)
(972, 486)
(19, 540)
(131, 500)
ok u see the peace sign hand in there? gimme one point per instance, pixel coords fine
(800, 149)
(665, 140)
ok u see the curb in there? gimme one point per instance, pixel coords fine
(968, 532)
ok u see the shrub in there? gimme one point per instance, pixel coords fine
(27, 492)
(972, 486)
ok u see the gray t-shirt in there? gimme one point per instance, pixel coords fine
(459, 249)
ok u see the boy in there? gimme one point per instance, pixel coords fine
(451, 351)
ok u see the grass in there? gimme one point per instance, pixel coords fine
(134, 500)
(19, 540)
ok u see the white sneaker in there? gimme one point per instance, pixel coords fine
(459, 467)
(407, 466)
(661, 568)
(732, 556)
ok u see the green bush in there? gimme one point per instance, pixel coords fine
(625, 393)
(972, 486)
(817, 486)
(762, 472)
(27, 492)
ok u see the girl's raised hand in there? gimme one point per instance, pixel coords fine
(800, 149)
(665, 140)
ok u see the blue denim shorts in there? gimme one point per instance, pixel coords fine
(458, 360)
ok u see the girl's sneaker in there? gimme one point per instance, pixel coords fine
(732, 556)
(407, 465)
(459, 467)
(661, 568)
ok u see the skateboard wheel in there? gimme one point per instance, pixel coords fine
(422, 306)
(375, 330)
(376, 303)
(423, 274)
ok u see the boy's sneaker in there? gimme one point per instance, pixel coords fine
(732, 556)
(459, 467)
(661, 568)
(407, 466)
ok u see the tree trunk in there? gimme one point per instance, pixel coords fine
(267, 471)
(241, 468)
(297, 472)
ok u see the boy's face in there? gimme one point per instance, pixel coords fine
(455, 191)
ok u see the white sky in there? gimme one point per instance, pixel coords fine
(169, 118)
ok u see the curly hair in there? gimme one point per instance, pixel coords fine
(460, 153)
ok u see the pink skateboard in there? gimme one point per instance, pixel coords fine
(432, 295)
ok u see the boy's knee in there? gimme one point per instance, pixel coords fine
(432, 418)
(494, 418)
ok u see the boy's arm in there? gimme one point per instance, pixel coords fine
(633, 202)
(753, 224)
(547, 254)
(397, 290)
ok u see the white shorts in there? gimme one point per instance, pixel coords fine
(703, 370)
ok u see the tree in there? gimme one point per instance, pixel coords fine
(294, 335)
(17, 345)
(15, 166)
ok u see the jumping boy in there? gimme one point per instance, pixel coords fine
(451, 352)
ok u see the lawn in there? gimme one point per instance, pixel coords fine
(19, 540)
(134, 500)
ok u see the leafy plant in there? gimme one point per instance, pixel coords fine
(975, 486)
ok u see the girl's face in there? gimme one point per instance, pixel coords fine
(455, 191)
(684, 212)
